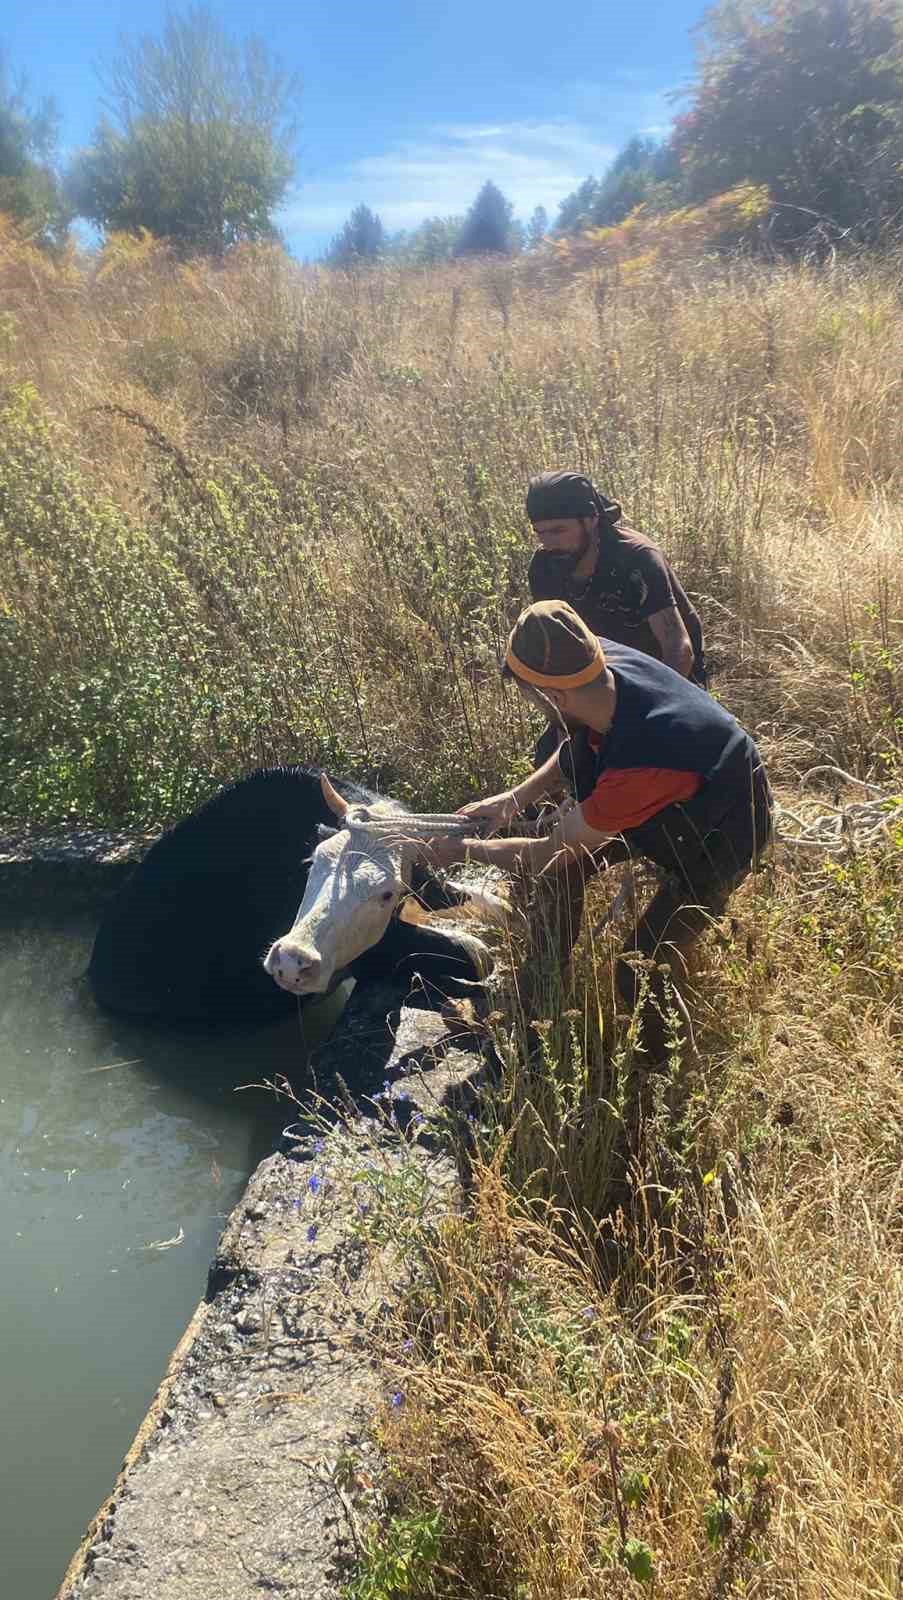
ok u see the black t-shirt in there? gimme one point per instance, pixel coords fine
(632, 582)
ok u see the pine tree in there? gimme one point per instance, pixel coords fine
(363, 238)
(644, 173)
(537, 228)
(487, 228)
(576, 210)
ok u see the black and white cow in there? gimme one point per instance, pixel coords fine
(359, 876)
(185, 938)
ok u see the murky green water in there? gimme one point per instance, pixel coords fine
(113, 1138)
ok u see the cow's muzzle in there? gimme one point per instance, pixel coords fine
(296, 968)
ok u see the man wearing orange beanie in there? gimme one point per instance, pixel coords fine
(657, 769)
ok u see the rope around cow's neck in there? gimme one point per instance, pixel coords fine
(440, 825)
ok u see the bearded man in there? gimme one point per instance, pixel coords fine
(617, 580)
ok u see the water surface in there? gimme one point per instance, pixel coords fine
(114, 1139)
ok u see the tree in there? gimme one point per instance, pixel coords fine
(576, 210)
(200, 146)
(487, 228)
(806, 97)
(363, 238)
(643, 173)
(537, 228)
(436, 239)
(29, 187)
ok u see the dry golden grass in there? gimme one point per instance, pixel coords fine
(722, 1354)
(308, 546)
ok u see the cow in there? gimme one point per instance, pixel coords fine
(184, 939)
(359, 875)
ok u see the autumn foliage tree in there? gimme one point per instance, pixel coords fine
(806, 98)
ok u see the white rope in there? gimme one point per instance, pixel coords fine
(402, 826)
(861, 823)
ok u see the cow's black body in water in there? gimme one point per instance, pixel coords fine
(184, 938)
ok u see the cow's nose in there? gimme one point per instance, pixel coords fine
(305, 962)
(291, 964)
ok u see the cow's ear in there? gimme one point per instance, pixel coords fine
(333, 799)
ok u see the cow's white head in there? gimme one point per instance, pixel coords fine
(357, 878)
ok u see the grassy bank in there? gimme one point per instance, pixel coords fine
(258, 513)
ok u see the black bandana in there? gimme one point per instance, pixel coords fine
(567, 494)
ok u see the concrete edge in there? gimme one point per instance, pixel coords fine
(146, 1430)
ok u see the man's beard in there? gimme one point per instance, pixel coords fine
(566, 562)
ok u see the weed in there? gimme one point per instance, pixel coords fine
(399, 1559)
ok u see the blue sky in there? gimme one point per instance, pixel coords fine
(408, 106)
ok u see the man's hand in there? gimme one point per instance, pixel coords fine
(444, 850)
(570, 838)
(496, 811)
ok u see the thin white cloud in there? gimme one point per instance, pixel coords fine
(533, 162)
(626, 101)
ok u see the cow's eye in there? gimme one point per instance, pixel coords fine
(388, 895)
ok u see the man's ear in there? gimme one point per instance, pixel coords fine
(557, 696)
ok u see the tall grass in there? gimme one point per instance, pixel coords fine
(253, 513)
(256, 512)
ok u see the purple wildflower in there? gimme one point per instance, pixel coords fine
(313, 1183)
(312, 1233)
(397, 1399)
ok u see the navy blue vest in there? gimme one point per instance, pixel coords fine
(662, 720)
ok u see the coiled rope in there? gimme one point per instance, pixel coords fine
(861, 823)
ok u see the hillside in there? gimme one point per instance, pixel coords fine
(254, 512)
